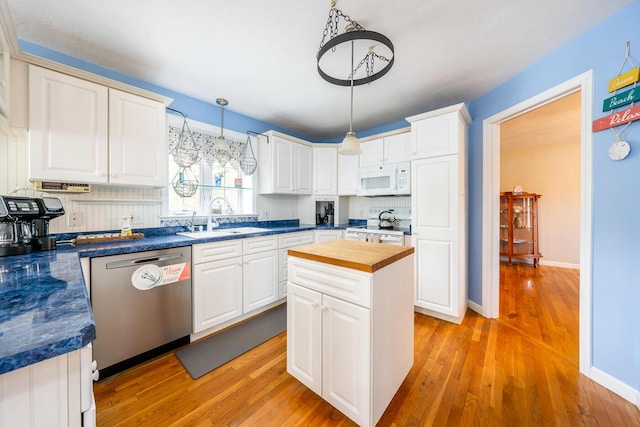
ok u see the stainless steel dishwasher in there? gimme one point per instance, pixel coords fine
(141, 305)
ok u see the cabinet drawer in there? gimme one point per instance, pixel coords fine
(343, 283)
(206, 252)
(259, 244)
(289, 240)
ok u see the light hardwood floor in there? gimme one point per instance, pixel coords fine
(519, 370)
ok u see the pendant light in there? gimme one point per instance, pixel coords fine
(353, 33)
(350, 145)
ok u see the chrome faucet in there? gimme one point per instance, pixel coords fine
(192, 225)
(212, 222)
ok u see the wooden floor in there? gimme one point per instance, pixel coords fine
(519, 370)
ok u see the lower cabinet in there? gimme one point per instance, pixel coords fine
(217, 287)
(54, 392)
(327, 235)
(330, 348)
(236, 278)
(350, 333)
(260, 280)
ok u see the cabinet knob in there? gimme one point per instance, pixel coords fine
(315, 305)
(324, 308)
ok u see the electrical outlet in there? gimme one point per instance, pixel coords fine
(265, 214)
(136, 218)
(75, 219)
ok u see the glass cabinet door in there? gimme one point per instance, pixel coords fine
(522, 231)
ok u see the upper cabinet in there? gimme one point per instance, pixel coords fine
(80, 131)
(285, 165)
(5, 65)
(325, 170)
(389, 149)
(439, 133)
(137, 147)
(348, 175)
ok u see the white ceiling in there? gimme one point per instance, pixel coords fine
(260, 55)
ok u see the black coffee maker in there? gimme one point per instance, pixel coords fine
(24, 224)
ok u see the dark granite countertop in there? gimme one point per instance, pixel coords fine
(44, 305)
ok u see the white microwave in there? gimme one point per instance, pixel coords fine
(392, 179)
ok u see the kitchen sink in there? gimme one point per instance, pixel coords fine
(221, 232)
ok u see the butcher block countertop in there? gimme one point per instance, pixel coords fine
(364, 256)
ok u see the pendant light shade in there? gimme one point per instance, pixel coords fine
(350, 145)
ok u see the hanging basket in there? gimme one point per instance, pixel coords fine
(185, 183)
(248, 165)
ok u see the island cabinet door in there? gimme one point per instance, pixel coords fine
(304, 336)
(346, 352)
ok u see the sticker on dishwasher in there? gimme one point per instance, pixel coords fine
(149, 276)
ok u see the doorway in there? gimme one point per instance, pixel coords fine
(491, 189)
(540, 153)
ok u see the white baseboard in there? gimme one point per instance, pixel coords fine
(476, 307)
(615, 385)
(560, 264)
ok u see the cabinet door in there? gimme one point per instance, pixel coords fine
(5, 78)
(304, 336)
(43, 394)
(260, 280)
(283, 166)
(303, 169)
(348, 175)
(217, 292)
(325, 170)
(346, 344)
(67, 128)
(436, 136)
(372, 152)
(137, 143)
(438, 228)
(397, 148)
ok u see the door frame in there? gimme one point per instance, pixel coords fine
(491, 203)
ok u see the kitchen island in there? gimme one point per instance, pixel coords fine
(350, 323)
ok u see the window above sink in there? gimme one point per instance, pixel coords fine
(217, 182)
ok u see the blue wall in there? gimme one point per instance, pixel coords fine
(616, 197)
(616, 194)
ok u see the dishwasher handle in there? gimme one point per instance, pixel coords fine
(145, 260)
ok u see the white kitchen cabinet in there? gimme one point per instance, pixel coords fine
(286, 165)
(54, 392)
(325, 170)
(350, 333)
(217, 287)
(327, 235)
(259, 272)
(80, 131)
(233, 279)
(5, 79)
(348, 174)
(331, 349)
(391, 148)
(217, 283)
(68, 128)
(137, 135)
(440, 132)
(260, 280)
(439, 218)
